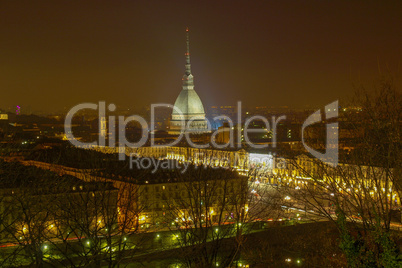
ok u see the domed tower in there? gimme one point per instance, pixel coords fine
(189, 115)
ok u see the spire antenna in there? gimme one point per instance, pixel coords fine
(188, 65)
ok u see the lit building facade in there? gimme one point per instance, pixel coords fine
(273, 169)
(187, 202)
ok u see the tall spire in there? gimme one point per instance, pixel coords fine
(188, 83)
(188, 65)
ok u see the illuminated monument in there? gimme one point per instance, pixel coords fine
(192, 120)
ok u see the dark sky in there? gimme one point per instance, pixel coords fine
(56, 54)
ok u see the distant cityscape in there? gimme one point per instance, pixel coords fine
(182, 183)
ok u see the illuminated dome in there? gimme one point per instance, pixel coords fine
(188, 102)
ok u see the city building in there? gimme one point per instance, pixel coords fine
(188, 115)
(168, 200)
(39, 203)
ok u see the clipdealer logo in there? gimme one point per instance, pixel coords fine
(330, 156)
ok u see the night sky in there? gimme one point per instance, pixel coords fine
(56, 54)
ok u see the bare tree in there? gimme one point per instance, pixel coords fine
(361, 192)
(51, 217)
